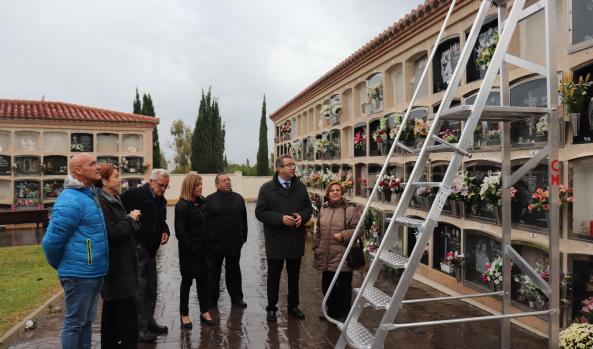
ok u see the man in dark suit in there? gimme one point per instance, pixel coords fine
(283, 206)
(227, 232)
(153, 232)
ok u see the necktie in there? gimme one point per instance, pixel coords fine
(287, 185)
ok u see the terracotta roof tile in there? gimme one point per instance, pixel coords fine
(21, 110)
(389, 35)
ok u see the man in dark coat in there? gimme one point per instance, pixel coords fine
(283, 206)
(227, 232)
(153, 232)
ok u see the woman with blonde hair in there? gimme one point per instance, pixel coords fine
(190, 230)
(335, 227)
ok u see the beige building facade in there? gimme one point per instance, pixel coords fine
(340, 128)
(37, 139)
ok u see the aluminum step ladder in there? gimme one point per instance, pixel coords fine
(353, 332)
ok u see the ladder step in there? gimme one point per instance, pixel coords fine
(405, 147)
(411, 222)
(451, 146)
(376, 298)
(493, 113)
(359, 336)
(424, 184)
(394, 260)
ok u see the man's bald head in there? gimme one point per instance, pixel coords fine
(84, 167)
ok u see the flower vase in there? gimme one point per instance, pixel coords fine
(459, 274)
(425, 203)
(498, 214)
(531, 304)
(495, 287)
(461, 208)
(395, 197)
(387, 195)
(590, 114)
(575, 123)
(380, 149)
(446, 268)
(454, 208)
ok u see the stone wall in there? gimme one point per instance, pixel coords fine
(247, 186)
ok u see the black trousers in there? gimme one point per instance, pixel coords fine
(293, 268)
(146, 292)
(119, 323)
(232, 276)
(340, 300)
(201, 287)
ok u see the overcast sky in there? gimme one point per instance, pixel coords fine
(96, 53)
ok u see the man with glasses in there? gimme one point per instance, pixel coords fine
(153, 232)
(283, 206)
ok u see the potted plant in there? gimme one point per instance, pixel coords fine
(470, 192)
(575, 97)
(384, 186)
(360, 139)
(577, 336)
(491, 192)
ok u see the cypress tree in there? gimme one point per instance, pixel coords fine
(147, 108)
(263, 166)
(137, 104)
(208, 137)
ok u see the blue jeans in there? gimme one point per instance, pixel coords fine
(81, 297)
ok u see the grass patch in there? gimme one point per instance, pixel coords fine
(26, 282)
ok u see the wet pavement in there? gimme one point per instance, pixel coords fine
(248, 328)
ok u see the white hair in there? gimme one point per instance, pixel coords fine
(158, 172)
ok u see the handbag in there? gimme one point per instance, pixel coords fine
(355, 258)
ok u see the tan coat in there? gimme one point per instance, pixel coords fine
(327, 250)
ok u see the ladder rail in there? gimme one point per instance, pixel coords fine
(381, 174)
(455, 163)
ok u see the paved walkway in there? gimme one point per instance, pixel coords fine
(248, 328)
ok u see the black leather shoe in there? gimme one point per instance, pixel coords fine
(241, 304)
(271, 316)
(296, 313)
(206, 321)
(158, 328)
(146, 337)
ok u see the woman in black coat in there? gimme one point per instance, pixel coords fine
(190, 230)
(118, 322)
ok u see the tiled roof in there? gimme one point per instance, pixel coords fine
(21, 110)
(391, 35)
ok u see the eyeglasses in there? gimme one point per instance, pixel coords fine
(290, 165)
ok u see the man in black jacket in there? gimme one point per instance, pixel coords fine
(227, 232)
(283, 206)
(153, 232)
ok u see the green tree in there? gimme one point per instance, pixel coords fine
(207, 154)
(263, 166)
(182, 138)
(146, 107)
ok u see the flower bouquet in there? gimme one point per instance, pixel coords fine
(493, 274)
(360, 139)
(420, 128)
(575, 97)
(425, 194)
(347, 182)
(586, 311)
(541, 199)
(486, 48)
(450, 136)
(577, 336)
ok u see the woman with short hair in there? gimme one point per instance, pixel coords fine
(190, 230)
(118, 319)
(335, 227)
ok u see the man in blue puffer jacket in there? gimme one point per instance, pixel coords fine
(75, 244)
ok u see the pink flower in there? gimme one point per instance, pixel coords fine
(530, 207)
(570, 199)
(546, 207)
